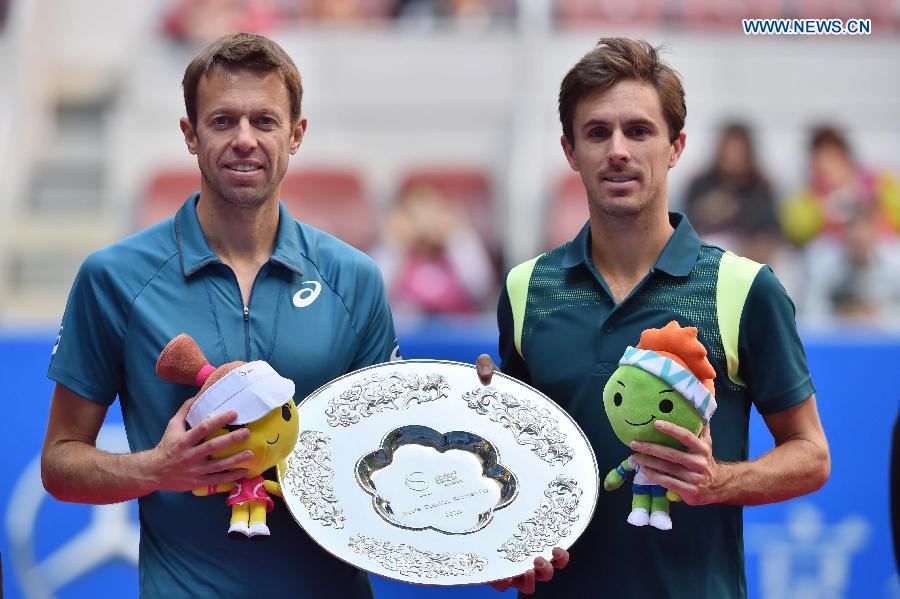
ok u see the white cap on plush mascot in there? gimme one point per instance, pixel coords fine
(252, 390)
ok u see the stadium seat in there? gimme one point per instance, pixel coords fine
(568, 211)
(164, 195)
(333, 200)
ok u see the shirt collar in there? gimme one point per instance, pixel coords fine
(195, 252)
(288, 245)
(677, 258)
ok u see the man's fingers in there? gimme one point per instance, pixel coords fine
(485, 367)
(543, 571)
(560, 558)
(680, 434)
(210, 424)
(662, 452)
(677, 469)
(527, 583)
(223, 442)
(228, 463)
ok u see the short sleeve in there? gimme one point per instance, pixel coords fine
(511, 362)
(87, 357)
(772, 359)
(378, 339)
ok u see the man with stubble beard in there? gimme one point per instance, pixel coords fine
(566, 317)
(248, 282)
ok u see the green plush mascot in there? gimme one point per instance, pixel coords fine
(668, 377)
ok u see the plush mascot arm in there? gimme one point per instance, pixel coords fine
(272, 488)
(616, 476)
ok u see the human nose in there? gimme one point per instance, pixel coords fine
(618, 149)
(245, 139)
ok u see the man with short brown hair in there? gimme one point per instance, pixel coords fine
(248, 282)
(567, 316)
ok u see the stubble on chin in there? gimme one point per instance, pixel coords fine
(620, 210)
(239, 197)
(625, 206)
(244, 198)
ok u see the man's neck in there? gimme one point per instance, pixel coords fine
(624, 249)
(239, 236)
(243, 238)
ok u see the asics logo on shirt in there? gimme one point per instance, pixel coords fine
(307, 295)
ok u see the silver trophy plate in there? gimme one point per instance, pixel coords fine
(414, 470)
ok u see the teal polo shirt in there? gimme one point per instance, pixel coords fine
(562, 333)
(317, 310)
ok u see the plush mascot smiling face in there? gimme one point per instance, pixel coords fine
(272, 438)
(634, 398)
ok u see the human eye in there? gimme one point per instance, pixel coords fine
(221, 121)
(265, 122)
(598, 133)
(640, 131)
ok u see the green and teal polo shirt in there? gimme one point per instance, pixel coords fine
(317, 310)
(561, 332)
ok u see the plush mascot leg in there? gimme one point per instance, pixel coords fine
(640, 509)
(258, 528)
(240, 516)
(659, 513)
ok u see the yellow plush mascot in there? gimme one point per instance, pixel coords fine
(264, 403)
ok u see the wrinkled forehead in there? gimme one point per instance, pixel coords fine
(242, 86)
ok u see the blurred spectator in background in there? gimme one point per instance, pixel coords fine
(342, 11)
(199, 22)
(468, 13)
(839, 189)
(732, 203)
(433, 260)
(854, 280)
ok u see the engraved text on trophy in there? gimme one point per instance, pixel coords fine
(451, 482)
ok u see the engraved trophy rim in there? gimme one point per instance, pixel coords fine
(555, 488)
